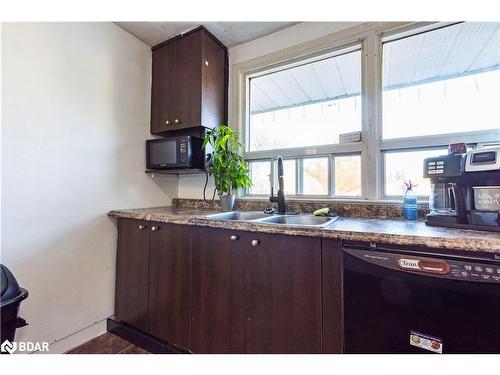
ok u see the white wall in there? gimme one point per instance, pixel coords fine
(75, 114)
(192, 186)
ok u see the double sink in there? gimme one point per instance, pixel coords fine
(302, 220)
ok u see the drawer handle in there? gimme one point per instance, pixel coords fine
(177, 121)
(255, 243)
(154, 228)
(141, 227)
(234, 238)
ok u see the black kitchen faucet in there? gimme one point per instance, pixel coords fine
(280, 199)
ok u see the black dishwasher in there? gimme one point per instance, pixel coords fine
(413, 302)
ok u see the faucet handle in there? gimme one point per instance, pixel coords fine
(269, 210)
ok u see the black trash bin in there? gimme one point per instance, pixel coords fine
(10, 300)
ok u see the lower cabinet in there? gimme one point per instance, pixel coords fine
(255, 293)
(211, 290)
(169, 283)
(332, 297)
(282, 293)
(132, 273)
(217, 302)
(153, 267)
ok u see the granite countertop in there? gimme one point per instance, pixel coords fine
(387, 231)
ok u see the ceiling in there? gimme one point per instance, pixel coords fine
(229, 33)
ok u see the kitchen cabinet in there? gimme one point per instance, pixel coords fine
(189, 83)
(162, 94)
(217, 324)
(153, 279)
(255, 293)
(282, 293)
(332, 297)
(132, 273)
(169, 283)
(213, 290)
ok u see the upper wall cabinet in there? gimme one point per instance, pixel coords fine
(189, 83)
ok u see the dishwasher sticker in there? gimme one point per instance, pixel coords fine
(431, 343)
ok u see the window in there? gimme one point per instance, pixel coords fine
(306, 105)
(290, 174)
(442, 81)
(401, 166)
(440, 84)
(315, 171)
(260, 174)
(348, 175)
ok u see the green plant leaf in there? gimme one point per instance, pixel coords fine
(226, 165)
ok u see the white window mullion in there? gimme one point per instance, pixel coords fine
(371, 184)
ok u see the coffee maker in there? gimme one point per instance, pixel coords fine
(465, 190)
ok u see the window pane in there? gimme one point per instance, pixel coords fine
(260, 172)
(289, 176)
(407, 165)
(306, 105)
(348, 175)
(442, 81)
(315, 172)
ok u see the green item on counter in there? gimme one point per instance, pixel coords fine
(321, 212)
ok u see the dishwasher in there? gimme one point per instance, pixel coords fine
(404, 301)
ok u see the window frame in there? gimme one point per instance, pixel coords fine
(369, 38)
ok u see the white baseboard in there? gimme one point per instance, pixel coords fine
(76, 339)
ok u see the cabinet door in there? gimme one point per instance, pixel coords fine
(132, 273)
(162, 89)
(213, 94)
(283, 294)
(169, 283)
(187, 81)
(217, 324)
(332, 296)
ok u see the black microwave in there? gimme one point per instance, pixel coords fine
(175, 153)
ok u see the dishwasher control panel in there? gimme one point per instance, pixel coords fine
(437, 267)
(465, 270)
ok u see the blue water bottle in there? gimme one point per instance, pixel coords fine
(410, 210)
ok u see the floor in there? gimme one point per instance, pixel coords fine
(107, 344)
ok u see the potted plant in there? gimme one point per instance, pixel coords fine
(226, 165)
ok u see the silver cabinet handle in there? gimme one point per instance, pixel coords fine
(167, 122)
(141, 227)
(234, 238)
(153, 228)
(177, 121)
(255, 243)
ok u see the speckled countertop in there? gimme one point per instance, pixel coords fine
(387, 231)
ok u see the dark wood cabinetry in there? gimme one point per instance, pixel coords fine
(189, 83)
(255, 293)
(211, 290)
(153, 279)
(282, 293)
(169, 283)
(217, 324)
(332, 297)
(132, 273)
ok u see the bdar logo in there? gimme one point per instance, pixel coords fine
(8, 347)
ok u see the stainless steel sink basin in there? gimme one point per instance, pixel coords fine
(299, 220)
(238, 215)
(303, 220)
